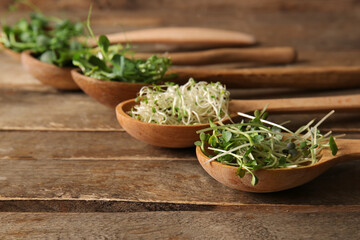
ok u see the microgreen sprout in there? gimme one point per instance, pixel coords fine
(261, 144)
(50, 39)
(108, 62)
(191, 103)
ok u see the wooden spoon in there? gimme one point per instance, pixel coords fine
(180, 136)
(14, 55)
(109, 93)
(273, 180)
(48, 74)
(274, 55)
(183, 35)
(327, 77)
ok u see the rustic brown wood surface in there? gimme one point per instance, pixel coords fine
(183, 225)
(69, 171)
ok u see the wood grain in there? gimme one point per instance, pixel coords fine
(38, 110)
(86, 145)
(13, 75)
(48, 74)
(289, 77)
(75, 111)
(64, 155)
(278, 55)
(181, 225)
(228, 5)
(159, 181)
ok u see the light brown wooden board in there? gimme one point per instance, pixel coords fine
(86, 145)
(90, 206)
(13, 75)
(55, 171)
(304, 25)
(313, 30)
(82, 145)
(181, 225)
(75, 111)
(159, 181)
(54, 110)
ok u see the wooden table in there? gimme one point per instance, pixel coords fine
(68, 170)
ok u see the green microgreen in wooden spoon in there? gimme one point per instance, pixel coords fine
(50, 39)
(108, 62)
(188, 104)
(260, 144)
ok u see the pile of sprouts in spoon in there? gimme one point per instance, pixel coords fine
(189, 104)
(261, 144)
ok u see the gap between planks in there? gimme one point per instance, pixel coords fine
(107, 205)
(44, 129)
(120, 158)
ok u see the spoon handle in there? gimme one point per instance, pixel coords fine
(315, 104)
(349, 149)
(332, 77)
(230, 55)
(183, 35)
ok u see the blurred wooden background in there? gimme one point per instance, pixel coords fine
(324, 32)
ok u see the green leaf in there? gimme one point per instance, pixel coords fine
(48, 57)
(282, 161)
(226, 135)
(98, 62)
(303, 144)
(104, 43)
(248, 152)
(258, 138)
(213, 141)
(197, 143)
(275, 129)
(264, 115)
(203, 136)
(333, 146)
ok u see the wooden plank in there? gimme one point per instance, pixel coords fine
(181, 225)
(13, 75)
(211, 5)
(90, 206)
(298, 26)
(75, 111)
(82, 145)
(159, 181)
(86, 146)
(44, 110)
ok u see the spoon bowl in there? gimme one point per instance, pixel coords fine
(274, 180)
(109, 93)
(48, 74)
(14, 55)
(181, 136)
(171, 136)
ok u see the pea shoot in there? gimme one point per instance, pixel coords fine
(108, 62)
(50, 39)
(191, 103)
(261, 144)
